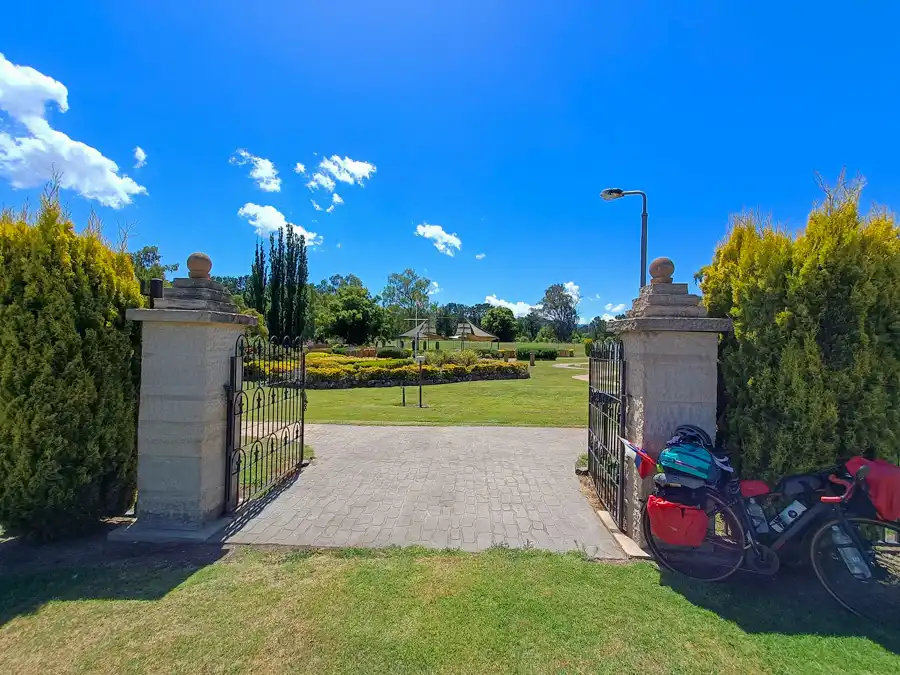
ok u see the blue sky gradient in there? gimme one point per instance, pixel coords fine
(499, 121)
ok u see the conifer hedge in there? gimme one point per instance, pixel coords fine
(68, 375)
(811, 375)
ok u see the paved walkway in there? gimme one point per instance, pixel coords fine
(465, 487)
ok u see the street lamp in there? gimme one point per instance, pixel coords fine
(611, 194)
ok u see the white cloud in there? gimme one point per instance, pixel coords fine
(519, 309)
(32, 159)
(24, 91)
(320, 180)
(443, 241)
(300, 168)
(263, 172)
(435, 288)
(480, 256)
(607, 317)
(338, 244)
(330, 209)
(140, 157)
(316, 205)
(336, 199)
(266, 219)
(615, 309)
(347, 170)
(573, 291)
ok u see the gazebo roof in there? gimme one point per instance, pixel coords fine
(421, 332)
(466, 330)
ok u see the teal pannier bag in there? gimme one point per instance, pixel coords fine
(691, 460)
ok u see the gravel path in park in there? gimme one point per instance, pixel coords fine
(463, 487)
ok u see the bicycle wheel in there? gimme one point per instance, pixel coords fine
(718, 556)
(866, 582)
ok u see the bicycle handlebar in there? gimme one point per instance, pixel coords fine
(850, 485)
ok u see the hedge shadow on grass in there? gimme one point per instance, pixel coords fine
(792, 603)
(92, 568)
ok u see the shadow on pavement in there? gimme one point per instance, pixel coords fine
(793, 603)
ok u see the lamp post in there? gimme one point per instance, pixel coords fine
(611, 194)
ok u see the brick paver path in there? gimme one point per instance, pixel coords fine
(465, 487)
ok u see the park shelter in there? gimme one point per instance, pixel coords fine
(418, 334)
(466, 331)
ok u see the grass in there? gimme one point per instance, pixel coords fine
(412, 611)
(550, 398)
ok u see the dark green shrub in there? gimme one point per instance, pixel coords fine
(810, 376)
(393, 353)
(339, 350)
(68, 375)
(544, 354)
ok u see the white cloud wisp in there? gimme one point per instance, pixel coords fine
(519, 309)
(31, 160)
(266, 219)
(140, 157)
(263, 172)
(443, 241)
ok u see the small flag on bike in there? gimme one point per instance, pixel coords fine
(644, 463)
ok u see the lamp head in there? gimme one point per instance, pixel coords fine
(610, 194)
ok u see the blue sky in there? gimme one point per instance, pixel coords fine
(498, 121)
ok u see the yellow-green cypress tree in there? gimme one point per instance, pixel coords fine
(811, 375)
(68, 385)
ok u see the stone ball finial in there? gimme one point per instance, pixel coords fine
(661, 271)
(199, 265)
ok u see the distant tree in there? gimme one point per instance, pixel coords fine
(256, 285)
(275, 317)
(530, 324)
(303, 321)
(331, 285)
(352, 315)
(405, 293)
(597, 329)
(450, 314)
(558, 308)
(236, 286)
(477, 313)
(147, 263)
(545, 334)
(289, 304)
(501, 322)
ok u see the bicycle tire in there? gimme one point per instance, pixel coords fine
(876, 598)
(693, 560)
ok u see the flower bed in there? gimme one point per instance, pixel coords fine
(329, 375)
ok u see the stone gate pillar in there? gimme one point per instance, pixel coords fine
(671, 355)
(188, 339)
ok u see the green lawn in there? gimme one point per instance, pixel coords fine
(550, 397)
(411, 611)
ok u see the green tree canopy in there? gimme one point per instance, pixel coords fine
(147, 264)
(352, 315)
(501, 322)
(530, 324)
(558, 308)
(810, 375)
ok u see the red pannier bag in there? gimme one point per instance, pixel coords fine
(676, 524)
(883, 482)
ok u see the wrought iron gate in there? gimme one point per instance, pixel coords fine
(266, 409)
(606, 424)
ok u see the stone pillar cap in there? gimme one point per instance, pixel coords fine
(661, 271)
(199, 265)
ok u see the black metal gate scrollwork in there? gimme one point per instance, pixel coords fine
(606, 424)
(266, 410)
